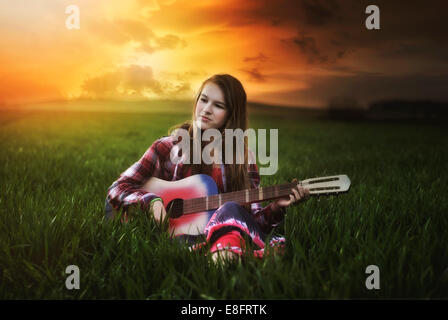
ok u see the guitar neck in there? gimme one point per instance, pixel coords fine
(316, 186)
(242, 197)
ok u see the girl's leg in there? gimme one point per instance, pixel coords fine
(225, 229)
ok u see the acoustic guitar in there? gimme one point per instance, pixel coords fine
(191, 202)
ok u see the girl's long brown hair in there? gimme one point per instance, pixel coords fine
(236, 104)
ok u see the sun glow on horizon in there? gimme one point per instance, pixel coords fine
(164, 49)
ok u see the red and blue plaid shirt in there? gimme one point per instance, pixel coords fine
(156, 162)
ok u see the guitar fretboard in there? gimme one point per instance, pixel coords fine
(242, 197)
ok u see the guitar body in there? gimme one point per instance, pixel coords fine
(196, 186)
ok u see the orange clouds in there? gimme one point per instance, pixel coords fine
(299, 52)
(132, 81)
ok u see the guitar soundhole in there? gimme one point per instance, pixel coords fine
(175, 208)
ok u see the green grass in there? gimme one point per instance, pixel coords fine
(56, 167)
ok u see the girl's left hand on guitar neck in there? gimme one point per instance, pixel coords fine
(298, 194)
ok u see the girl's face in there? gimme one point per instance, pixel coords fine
(211, 111)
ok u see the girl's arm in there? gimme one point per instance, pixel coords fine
(269, 216)
(126, 191)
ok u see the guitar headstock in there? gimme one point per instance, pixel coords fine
(327, 185)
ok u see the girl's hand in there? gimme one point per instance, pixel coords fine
(158, 210)
(298, 194)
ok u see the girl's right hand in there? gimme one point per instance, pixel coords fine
(298, 194)
(158, 210)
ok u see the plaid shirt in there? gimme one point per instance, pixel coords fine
(155, 162)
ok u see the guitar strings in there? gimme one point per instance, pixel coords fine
(199, 204)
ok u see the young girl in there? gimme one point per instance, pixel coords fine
(220, 104)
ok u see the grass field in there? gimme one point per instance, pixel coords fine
(57, 165)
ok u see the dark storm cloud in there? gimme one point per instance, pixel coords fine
(306, 44)
(254, 74)
(319, 13)
(334, 23)
(406, 58)
(260, 58)
(332, 29)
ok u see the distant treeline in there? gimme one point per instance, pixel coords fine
(389, 109)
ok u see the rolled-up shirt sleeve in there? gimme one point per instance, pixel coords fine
(127, 189)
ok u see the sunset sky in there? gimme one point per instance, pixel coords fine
(300, 53)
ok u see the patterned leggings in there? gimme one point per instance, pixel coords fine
(234, 229)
